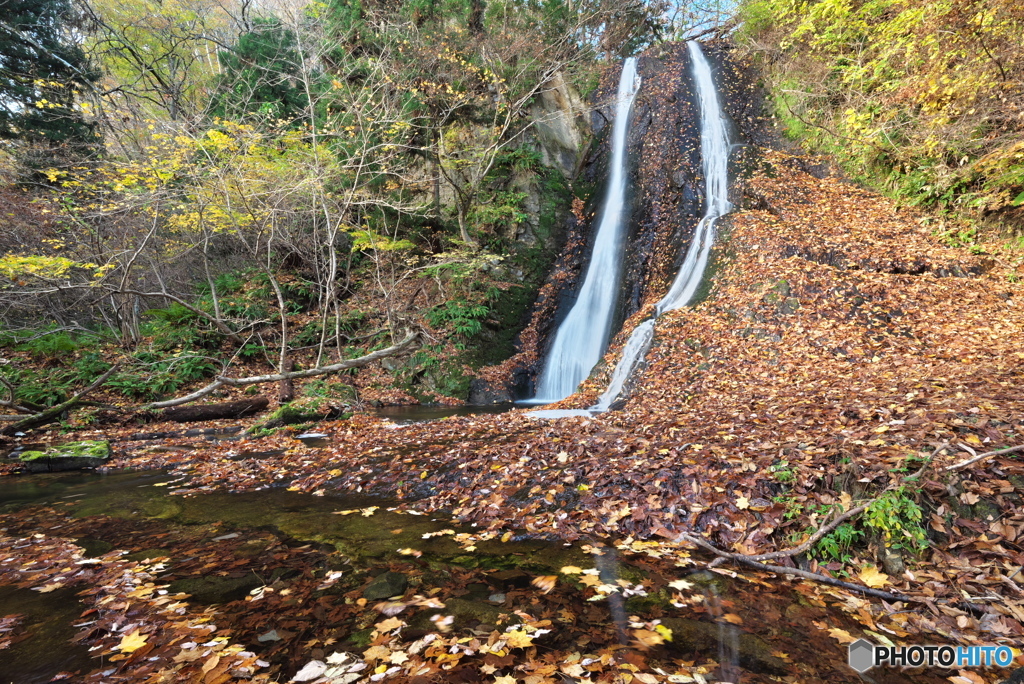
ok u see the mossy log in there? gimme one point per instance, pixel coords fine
(229, 409)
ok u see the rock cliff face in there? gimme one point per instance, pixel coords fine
(561, 126)
(665, 205)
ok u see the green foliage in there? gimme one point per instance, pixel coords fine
(837, 544)
(177, 327)
(51, 346)
(88, 367)
(152, 376)
(333, 390)
(897, 517)
(463, 318)
(911, 97)
(500, 213)
(40, 389)
(261, 76)
(783, 472)
(521, 158)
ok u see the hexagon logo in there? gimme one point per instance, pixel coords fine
(862, 655)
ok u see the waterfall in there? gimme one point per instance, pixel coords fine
(582, 337)
(714, 145)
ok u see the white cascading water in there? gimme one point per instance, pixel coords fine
(583, 336)
(714, 145)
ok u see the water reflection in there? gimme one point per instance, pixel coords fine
(405, 415)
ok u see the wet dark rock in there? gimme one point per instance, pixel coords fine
(146, 554)
(482, 392)
(94, 547)
(386, 585)
(692, 636)
(1016, 677)
(270, 636)
(216, 589)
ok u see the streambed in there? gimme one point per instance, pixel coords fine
(293, 580)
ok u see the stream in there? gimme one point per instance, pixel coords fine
(308, 567)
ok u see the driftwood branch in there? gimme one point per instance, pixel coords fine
(198, 394)
(51, 414)
(323, 370)
(222, 381)
(980, 457)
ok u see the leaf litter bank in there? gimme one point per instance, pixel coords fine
(840, 346)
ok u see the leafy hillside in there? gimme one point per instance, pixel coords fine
(923, 99)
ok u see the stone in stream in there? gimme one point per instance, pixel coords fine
(691, 636)
(70, 456)
(213, 589)
(386, 585)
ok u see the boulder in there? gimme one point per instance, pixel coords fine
(70, 456)
(385, 586)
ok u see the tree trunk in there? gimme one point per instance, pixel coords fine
(286, 388)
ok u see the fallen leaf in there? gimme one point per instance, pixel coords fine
(841, 635)
(872, 577)
(132, 642)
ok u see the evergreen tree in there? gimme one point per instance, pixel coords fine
(42, 70)
(262, 76)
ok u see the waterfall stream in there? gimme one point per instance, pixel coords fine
(583, 336)
(714, 145)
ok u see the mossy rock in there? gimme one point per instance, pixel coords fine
(302, 410)
(216, 589)
(70, 456)
(466, 613)
(147, 554)
(693, 636)
(386, 585)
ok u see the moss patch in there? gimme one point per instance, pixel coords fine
(70, 456)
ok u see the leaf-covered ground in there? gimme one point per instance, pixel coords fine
(840, 349)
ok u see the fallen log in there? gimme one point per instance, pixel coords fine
(228, 409)
(54, 413)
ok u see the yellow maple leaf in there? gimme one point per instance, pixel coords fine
(506, 679)
(132, 642)
(646, 638)
(872, 577)
(518, 639)
(742, 503)
(571, 570)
